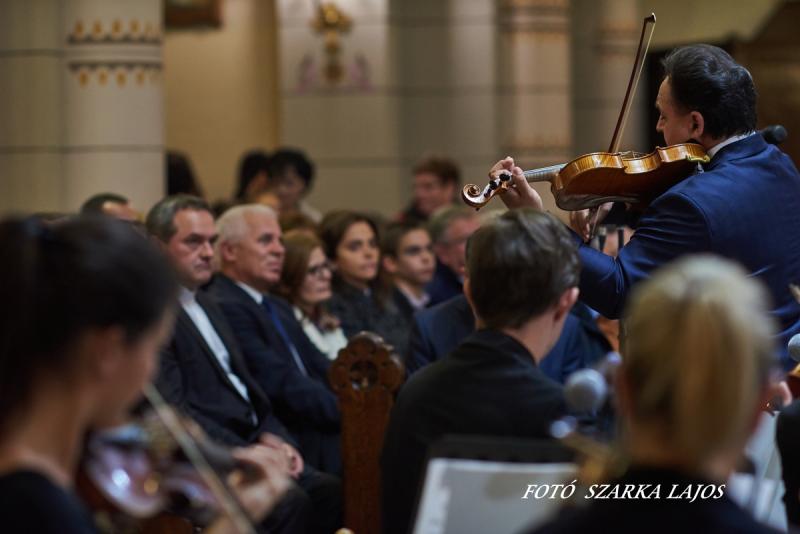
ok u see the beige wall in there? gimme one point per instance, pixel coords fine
(221, 91)
(708, 21)
(227, 89)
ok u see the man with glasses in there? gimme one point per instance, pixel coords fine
(449, 230)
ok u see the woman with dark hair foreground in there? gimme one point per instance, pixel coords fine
(91, 304)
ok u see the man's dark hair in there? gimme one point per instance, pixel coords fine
(706, 79)
(285, 158)
(393, 233)
(87, 272)
(160, 220)
(250, 165)
(444, 168)
(519, 264)
(94, 204)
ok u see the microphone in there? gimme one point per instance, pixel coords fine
(586, 390)
(774, 134)
(794, 348)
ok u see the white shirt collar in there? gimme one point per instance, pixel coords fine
(716, 148)
(186, 296)
(250, 290)
(416, 302)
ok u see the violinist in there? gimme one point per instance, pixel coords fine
(744, 204)
(89, 302)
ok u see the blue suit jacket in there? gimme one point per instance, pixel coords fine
(444, 285)
(745, 207)
(305, 403)
(437, 331)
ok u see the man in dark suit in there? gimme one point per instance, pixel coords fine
(491, 384)
(437, 331)
(284, 362)
(745, 205)
(449, 229)
(204, 374)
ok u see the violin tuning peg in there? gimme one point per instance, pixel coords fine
(494, 184)
(505, 177)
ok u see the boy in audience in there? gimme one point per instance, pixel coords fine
(407, 255)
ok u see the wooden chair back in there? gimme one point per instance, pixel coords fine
(365, 377)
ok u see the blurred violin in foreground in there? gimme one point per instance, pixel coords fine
(159, 474)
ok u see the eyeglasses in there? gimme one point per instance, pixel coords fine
(317, 270)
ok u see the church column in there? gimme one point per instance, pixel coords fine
(605, 35)
(534, 84)
(81, 102)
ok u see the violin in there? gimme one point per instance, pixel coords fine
(160, 474)
(600, 177)
(612, 176)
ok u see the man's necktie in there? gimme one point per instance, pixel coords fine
(276, 321)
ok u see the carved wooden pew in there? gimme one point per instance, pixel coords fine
(365, 376)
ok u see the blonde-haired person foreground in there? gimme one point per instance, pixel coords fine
(695, 374)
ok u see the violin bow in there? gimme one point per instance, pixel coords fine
(648, 27)
(183, 438)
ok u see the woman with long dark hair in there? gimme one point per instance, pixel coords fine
(361, 293)
(89, 302)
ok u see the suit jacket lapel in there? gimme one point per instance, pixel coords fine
(237, 362)
(185, 322)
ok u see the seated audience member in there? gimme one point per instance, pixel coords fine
(694, 377)
(297, 221)
(523, 275)
(449, 230)
(306, 284)
(106, 296)
(437, 331)
(407, 256)
(284, 362)
(111, 204)
(180, 175)
(436, 186)
(361, 295)
(291, 175)
(205, 375)
(253, 176)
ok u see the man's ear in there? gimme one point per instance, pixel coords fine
(467, 289)
(698, 124)
(102, 350)
(227, 251)
(565, 303)
(452, 189)
(389, 264)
